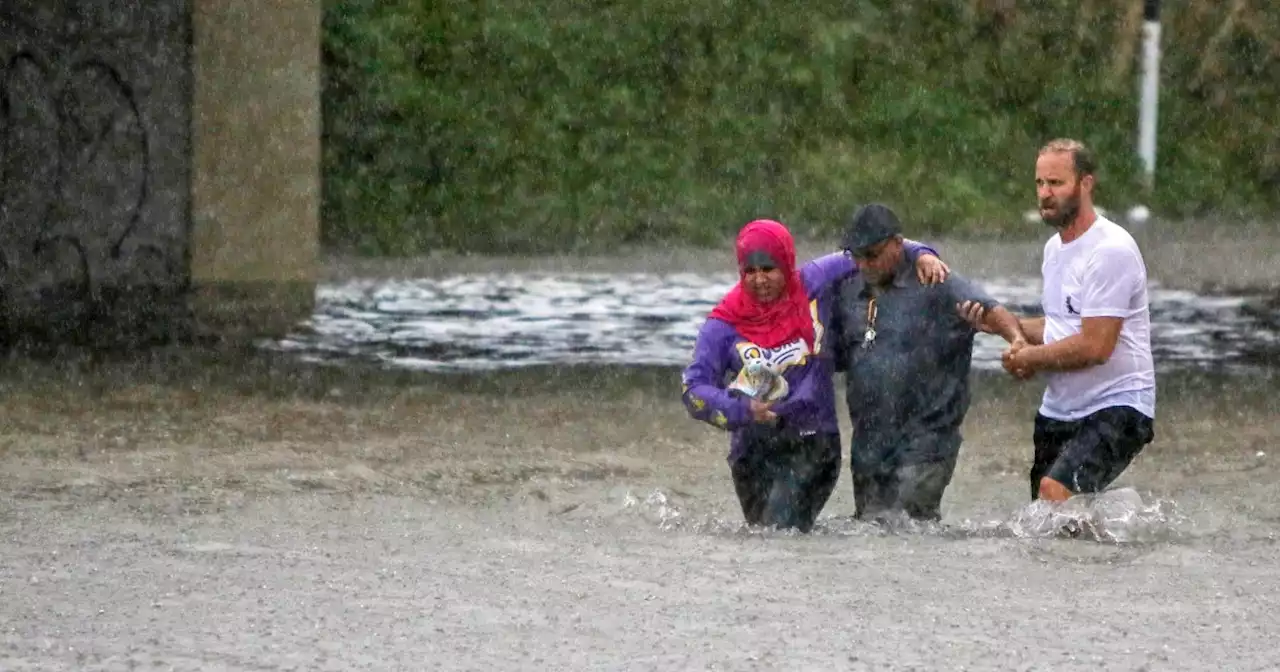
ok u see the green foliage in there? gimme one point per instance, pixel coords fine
(510, 125)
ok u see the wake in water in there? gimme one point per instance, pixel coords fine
(663, 510)
(1115, 516)
(1119, 516)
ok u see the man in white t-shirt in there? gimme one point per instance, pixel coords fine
(1094, 341)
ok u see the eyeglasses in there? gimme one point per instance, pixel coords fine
(868, 253)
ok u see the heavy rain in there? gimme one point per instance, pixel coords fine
(356, 335)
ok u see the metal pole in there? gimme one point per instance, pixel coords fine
(1150, 88)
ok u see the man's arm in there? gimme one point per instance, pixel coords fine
(1033, 327)
(1092, 346)
(1000, 321)
(1113, 276)
(988, 315)
(977, 316)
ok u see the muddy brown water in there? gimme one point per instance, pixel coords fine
(242, 510)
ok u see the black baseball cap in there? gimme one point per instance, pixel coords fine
(870, 225)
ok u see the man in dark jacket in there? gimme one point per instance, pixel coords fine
(906, 352)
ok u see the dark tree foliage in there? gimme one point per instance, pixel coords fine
(507, 125)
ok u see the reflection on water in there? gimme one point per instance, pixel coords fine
(1117, 516)
(488, 321)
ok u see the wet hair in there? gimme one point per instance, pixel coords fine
(759, 259)
(1082, 158)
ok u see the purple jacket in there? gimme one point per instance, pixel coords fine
(810, 404)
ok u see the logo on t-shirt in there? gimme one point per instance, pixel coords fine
(1070, 308)
(762, 369)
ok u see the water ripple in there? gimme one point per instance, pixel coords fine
(490, 321)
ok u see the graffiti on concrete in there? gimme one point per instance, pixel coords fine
(76, 175)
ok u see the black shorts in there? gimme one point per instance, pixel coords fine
(1088, 454)
(785, 480)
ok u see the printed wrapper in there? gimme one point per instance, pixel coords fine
(759, 381)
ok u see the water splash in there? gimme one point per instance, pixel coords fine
(665, 511)
(655, 506)
(1118, 516)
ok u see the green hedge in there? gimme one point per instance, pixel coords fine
(529, 125)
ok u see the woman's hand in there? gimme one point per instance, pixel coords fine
(931, 270)
(762, 412)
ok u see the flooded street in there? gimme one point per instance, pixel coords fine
(486, 321)
(249, 510)
(1209, 292)
(311, 582)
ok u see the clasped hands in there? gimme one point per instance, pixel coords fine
(1010, 360)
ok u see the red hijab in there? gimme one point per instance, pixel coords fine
(768, 325)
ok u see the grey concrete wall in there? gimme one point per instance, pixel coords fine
(94, 169)
(159, 168)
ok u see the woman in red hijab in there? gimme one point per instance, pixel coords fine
(760, 371)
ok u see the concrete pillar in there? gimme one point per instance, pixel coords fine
(159, 168)
(256, 163)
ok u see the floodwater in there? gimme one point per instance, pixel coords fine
(1212, 293)
(427, 507)
(481, 321)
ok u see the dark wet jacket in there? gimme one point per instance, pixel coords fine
(908, 388)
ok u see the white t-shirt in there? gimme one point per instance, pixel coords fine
(1099, 274)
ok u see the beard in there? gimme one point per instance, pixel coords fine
(1064, 213)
